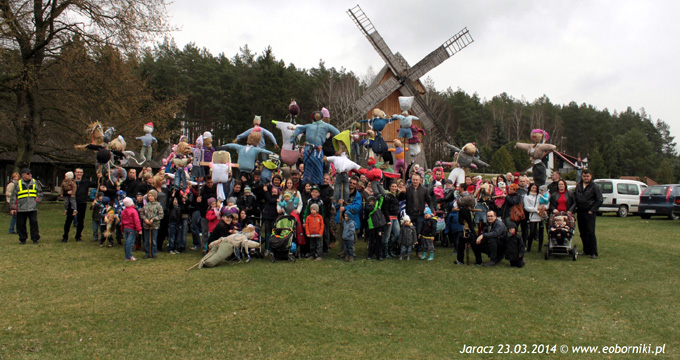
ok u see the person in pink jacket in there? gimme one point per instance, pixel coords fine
(129, 222)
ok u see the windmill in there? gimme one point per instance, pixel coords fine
(403, 77)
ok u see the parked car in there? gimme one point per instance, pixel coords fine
(620, 196)
(659, 200)
(676, 207)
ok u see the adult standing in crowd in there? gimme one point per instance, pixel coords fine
(131, 184)
(8, 194)
(588, 201)
(555, 177)
(207, 191)
(417, 196)
(352, 207)
(562, 199)
(24, 203)
(82, 200)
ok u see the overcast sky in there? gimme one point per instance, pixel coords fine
(610, 54)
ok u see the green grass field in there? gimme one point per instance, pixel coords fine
(79, 301)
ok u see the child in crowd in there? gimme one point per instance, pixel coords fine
(428, 233)
(118, 207)
(107, 217)
(560, 229)
(139, 205)
(514, 247)
(288, 204)
(453, 228)
(152, 215)
(174, 226)
(236, 226)
(376, 222)
(348, 234)
(314, 232)
(212, 214)
(407, 237)
(438, 190)
(129, 221)
(68, 189)
(96, 208)
(249, 202)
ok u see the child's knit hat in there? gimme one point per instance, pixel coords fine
(128, 202)
(405, 219)
(153, 193)
(106, 200)
(69, 175)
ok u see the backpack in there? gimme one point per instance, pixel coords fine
(517, 213)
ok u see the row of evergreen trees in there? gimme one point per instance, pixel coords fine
(218, 90)
(189, 90)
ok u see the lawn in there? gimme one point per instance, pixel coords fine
(80, 301)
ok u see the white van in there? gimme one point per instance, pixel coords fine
(620, 196)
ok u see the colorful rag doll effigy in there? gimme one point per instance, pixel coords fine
(248, 154)
(264, 133)
(290, 150)
(221, 172)
(537, 150)
(377, 124)
(399, 163)
(207, 151)
(111, 154)
(147, 141)
(414, 142)
(375, 176)
(224, 247)
(405, 120)
(315, 136)
(179, 163)
(464, 158)
(343, 165)
(356, 136)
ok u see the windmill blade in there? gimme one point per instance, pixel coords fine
(449, 48)
(375, 95)
(366, 27)
(423, 111)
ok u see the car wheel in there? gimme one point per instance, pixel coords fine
(673, 216)
(623, 211)
(645, 216)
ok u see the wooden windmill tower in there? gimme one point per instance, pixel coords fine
(398, 78)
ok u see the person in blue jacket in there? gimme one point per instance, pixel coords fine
(352, 207)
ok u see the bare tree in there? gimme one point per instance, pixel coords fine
(32, 34)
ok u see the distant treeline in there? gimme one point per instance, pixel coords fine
(189, 90)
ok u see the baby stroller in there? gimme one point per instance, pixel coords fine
(560, 238)
(282, 244)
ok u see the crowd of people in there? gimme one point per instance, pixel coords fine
(396, 216)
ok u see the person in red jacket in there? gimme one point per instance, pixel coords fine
(314, 231)
(129, 222)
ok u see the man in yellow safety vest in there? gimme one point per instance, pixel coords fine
(24, 202)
